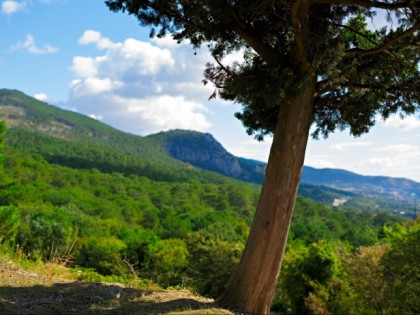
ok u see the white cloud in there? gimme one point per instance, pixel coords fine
(30, 46)
(128, 57)
(319, 161)
(84, 67)
(94, 37)
(395, 160)
(383, 162)
(252, 149)
(9, 7)
(167, 41)
(343, 146)
(148, 115)
(41, 96)
(139, 87)
(398, 148)
(93, 85)
(406, 124)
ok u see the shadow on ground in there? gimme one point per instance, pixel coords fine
(98, 299)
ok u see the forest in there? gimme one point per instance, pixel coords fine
(190, 233)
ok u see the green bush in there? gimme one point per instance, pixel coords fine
(9, 224)
(45, 232)
(168, 261)
(212, 263)
(100, 253)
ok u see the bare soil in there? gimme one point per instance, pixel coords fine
(29, 292)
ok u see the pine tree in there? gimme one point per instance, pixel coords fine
(307, 62)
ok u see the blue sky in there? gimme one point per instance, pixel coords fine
(78, 55)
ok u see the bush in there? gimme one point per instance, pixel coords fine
(9, 223)
(212, 263)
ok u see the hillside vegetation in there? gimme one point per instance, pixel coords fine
(117, 206)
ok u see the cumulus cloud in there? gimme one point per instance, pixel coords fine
(140, 87)
(41, 97)
(9, 7)
(94, 37)
(167, 41)
(406, 124)
(30, 46)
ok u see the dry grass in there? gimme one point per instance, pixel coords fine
(50, 289)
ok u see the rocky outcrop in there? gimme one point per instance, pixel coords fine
(203, 151)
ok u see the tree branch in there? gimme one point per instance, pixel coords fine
(388, 44)
(300, 47)
(247, 34)
(366, 3)
(364, 36)
(357, 32)
(245, 31)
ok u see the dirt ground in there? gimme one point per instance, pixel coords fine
(24, 292)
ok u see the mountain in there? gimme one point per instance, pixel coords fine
(203, 151)
(70, 139)
(369, 186)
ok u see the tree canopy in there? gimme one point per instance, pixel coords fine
(362, 72)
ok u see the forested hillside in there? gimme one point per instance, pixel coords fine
(73, 187)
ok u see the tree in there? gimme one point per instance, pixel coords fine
(401, 269)
(2, 139)
(307, 62)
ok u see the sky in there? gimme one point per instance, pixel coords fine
(77, 55)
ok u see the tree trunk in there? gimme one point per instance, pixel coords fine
(252, 287)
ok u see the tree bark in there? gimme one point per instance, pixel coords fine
(252, 287)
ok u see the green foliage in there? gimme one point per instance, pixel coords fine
(45, 231)
(306, 272)
(9, 223)
(2, 139)
(168, 262)
(100, 253)
(212, 263)
(401, 269)
(114, 217)
(361, 73)
(174, 224)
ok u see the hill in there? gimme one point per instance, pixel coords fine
(70, 139)
(203, 151)
(329, 186)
